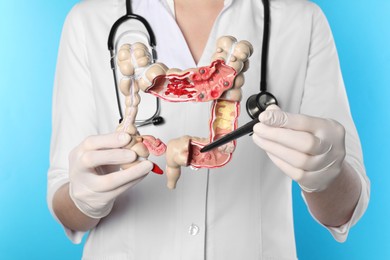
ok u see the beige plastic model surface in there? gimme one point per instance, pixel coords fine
(219, 83)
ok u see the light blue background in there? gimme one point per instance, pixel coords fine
(29, 37)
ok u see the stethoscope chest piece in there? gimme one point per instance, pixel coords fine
(259, 102)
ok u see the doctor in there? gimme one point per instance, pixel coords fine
(240, 211)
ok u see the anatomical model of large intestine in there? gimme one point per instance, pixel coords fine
(220, 82)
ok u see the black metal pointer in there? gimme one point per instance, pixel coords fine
(241, 131)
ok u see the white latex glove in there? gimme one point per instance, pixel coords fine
(310, 150)
(93, 193)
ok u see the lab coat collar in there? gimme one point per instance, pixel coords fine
(273, 3)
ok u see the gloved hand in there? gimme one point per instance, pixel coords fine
(310, 150)
(92, 192)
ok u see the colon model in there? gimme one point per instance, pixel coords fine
(220, 83)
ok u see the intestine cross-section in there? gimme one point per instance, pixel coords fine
(219, 83)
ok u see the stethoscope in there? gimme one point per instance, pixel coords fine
(255, 104)
(155, 119)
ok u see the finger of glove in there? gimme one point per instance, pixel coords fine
(95, 158)
(295, 158)
(297, 140)
(294, 173)
(277, 118)
(108, 141)
(118, 191)
(96, 200)
(117, 179)
(308, 181)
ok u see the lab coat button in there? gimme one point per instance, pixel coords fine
(193, 230)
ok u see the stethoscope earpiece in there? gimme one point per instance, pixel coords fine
(259, 102)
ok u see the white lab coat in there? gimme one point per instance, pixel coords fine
(240, 211)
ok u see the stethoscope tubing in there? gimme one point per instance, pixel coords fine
(155, 119)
